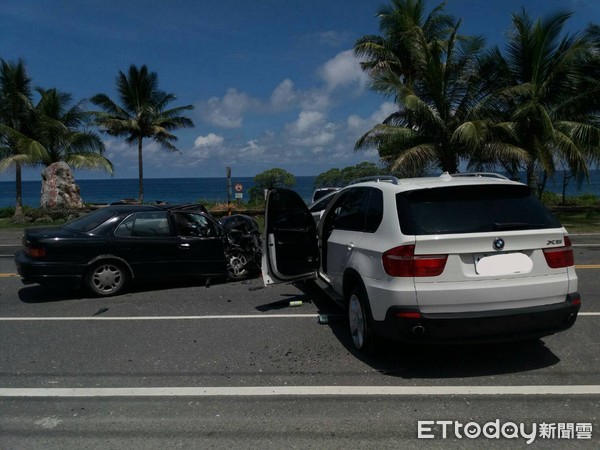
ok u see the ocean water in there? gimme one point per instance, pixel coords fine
(186, 190)
(172, 190)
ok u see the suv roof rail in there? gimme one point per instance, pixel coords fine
(478, 174)
(387, 178)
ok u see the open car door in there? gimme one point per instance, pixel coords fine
(290, 251)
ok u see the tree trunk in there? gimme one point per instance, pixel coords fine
(19, 200)
(542, 185)
(566, 179)
(449, 164)
(141, 171)
(530, 175)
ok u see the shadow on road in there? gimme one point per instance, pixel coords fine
(410, 360)
(59, 292)
(45, 294)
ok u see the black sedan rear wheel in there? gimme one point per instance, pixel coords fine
(107, 278)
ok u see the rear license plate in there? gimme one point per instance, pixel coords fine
(498, 264)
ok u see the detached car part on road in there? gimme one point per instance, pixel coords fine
(109, 247)
(449, 259)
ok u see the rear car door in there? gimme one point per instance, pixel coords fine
(145, 240)
(290, 249)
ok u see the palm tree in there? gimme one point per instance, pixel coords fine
(547, 85)
(436, 88)
(405, 30)
(59, 128)
(142, 114)
(17, 145)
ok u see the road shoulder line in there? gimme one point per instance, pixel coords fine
(270, 391)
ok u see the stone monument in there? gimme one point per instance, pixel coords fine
(59, 188)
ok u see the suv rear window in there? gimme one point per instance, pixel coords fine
(471, 209)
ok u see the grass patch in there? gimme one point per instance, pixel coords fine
(580, 222)
(8, 224)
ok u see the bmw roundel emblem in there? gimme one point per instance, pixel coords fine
(499, 244)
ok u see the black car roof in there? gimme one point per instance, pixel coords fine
(159, 207)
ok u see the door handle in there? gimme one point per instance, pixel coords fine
(184, 246)
(350, 246)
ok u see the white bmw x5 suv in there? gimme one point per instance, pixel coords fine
(463, 258)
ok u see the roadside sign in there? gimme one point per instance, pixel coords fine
(239, 195)
(238, 187)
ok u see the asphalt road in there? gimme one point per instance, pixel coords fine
(234, 366)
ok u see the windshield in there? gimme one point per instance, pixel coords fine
(471, 209)
(91, 221)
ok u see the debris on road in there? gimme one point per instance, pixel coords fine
(100, 311)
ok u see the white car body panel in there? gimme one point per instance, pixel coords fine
(477, 277)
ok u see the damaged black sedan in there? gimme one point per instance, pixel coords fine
(106, 249)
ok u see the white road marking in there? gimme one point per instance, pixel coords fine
(234, 316)
(269, 391)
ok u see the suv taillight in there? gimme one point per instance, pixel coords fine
(558, 257)
(402, 262)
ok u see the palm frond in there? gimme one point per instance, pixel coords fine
(414, 159)
(23, 146)
(89, 161)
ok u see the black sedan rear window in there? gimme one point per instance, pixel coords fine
(92, 220)
(471, 209)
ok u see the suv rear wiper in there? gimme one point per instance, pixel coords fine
(517, 226)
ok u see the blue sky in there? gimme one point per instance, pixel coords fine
(274, 82)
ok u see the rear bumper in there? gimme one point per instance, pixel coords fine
(41, 272)
(407, 324)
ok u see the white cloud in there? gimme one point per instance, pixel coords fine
(120, 150)
(315, 100)
(343, 71)
(340, 72)
(306, 121)
(312, 142)
(210, 140)
(358, 125)
(283, 95)
(286, 97)
(253, 149)
(385, 110)
(227, 112)
(311, 129)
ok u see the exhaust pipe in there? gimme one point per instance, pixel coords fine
(418, 330)
(571, 319)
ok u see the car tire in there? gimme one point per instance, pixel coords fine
(106, 278)
(360, 321)
(237, 265)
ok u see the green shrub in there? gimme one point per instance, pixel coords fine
(554, 199)
(593, 215)
(551, 198)
(585, 200)
(7, 212)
